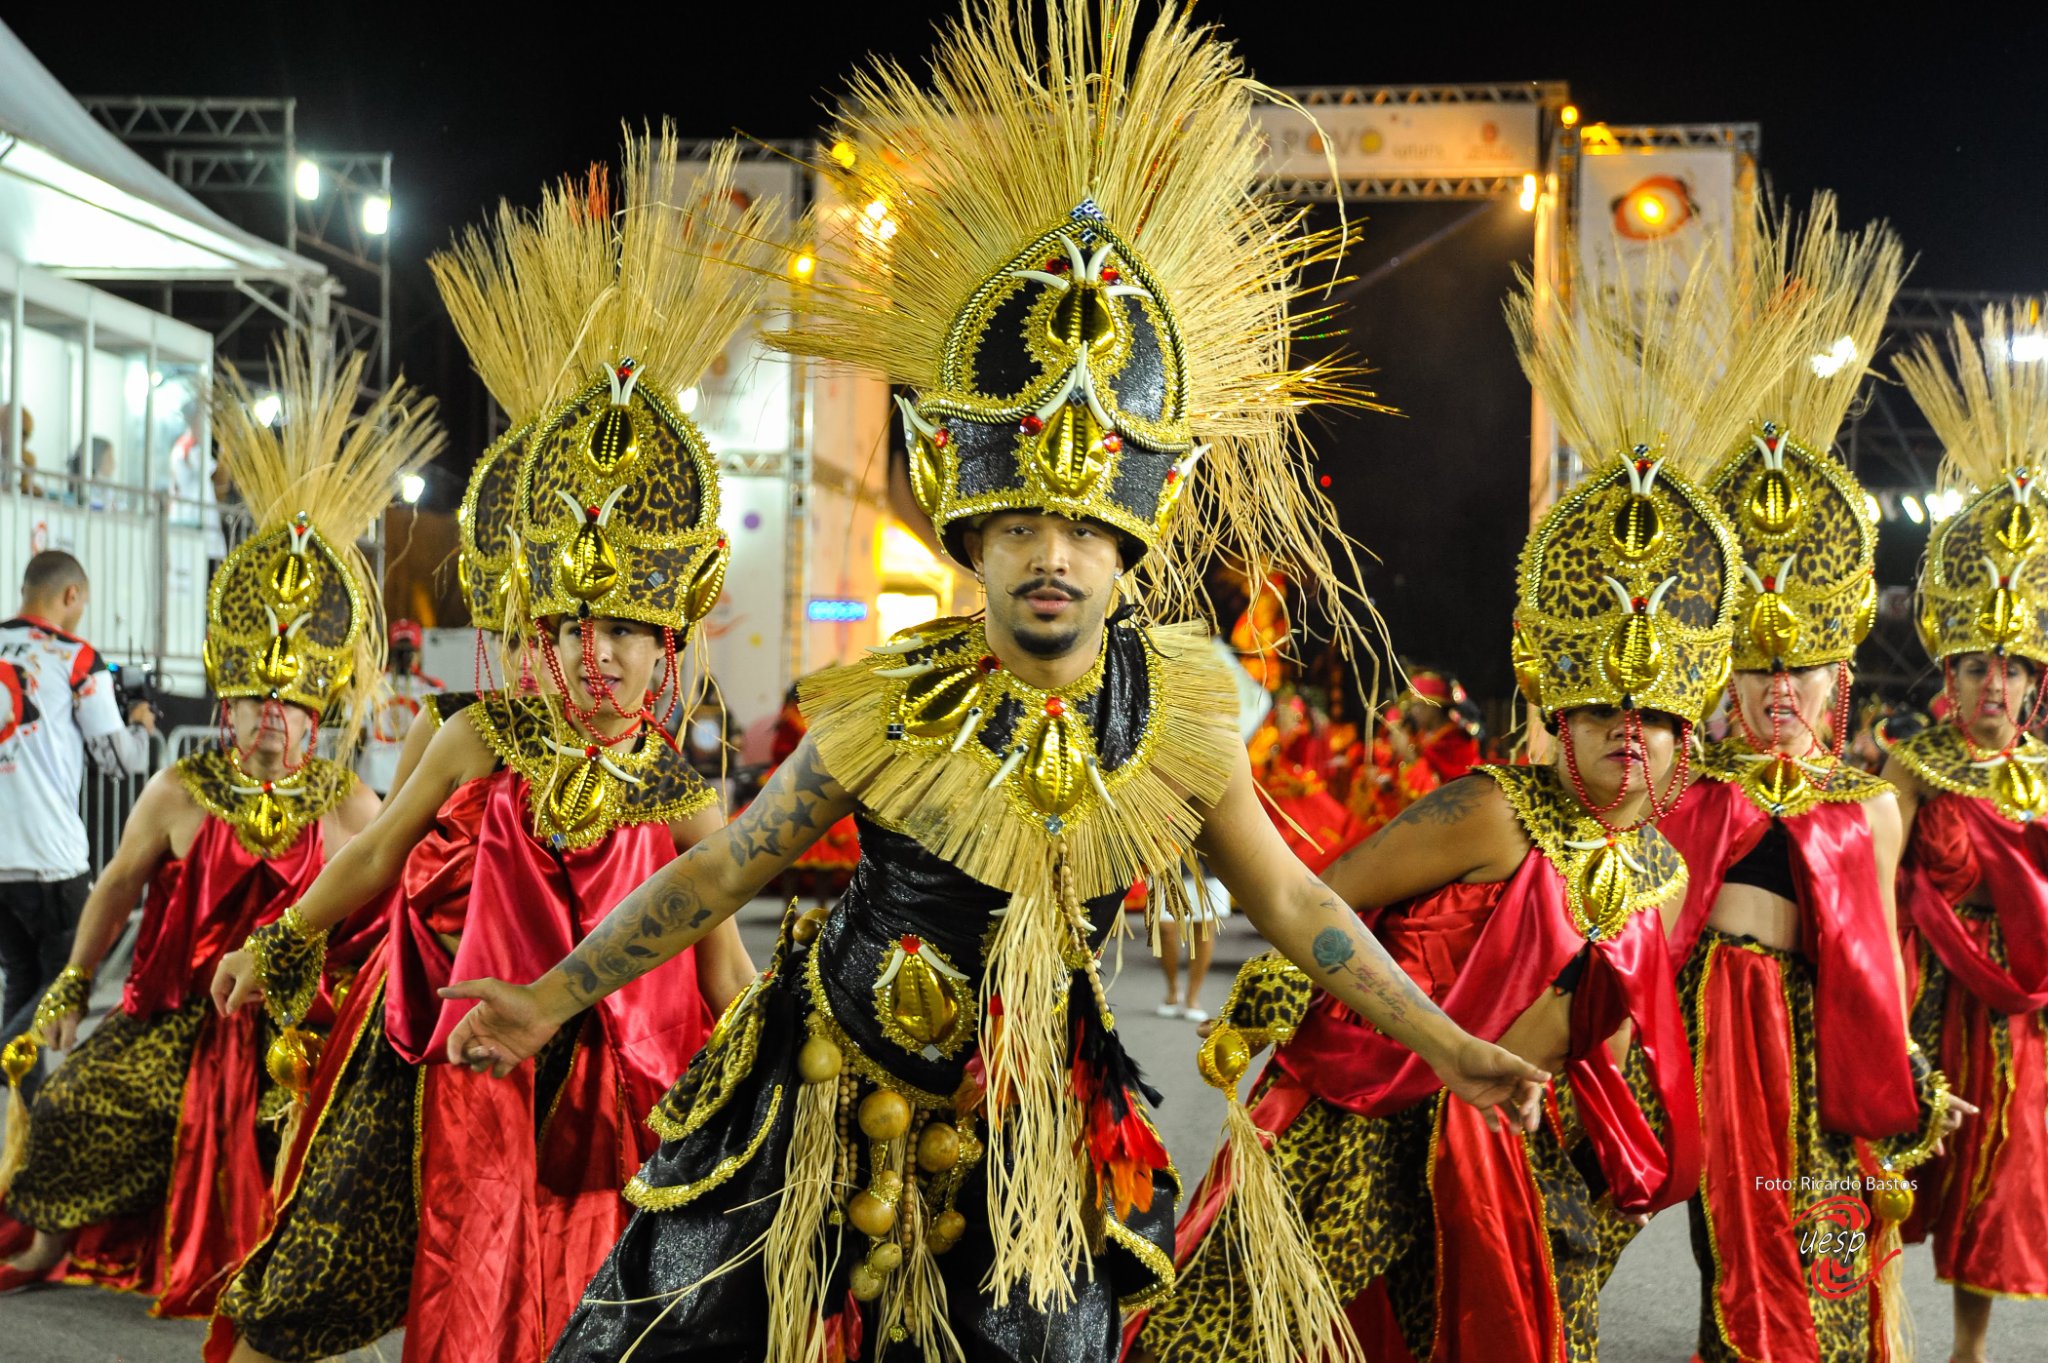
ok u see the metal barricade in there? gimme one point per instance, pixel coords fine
(105, 799)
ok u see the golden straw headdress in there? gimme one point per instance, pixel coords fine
(1804, 525)
(294, 614)
(519, 292)
(1058, 250)
(1626, 588)
(617, 504)
(1984, 586)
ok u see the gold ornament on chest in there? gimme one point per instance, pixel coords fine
(581, 794)
(922, 1000)
(1604, 876)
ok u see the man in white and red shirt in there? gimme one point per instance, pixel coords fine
(57, 703)
(405, 690)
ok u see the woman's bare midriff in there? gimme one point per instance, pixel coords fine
(1746, 911)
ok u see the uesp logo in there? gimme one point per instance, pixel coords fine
(1837, 1231)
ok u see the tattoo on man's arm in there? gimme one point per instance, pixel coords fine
(783, 812)
(1336, 953)
(623, 947)
(1447, 804)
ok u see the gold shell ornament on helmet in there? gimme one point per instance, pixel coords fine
(1984, 584)
(1808, 540)
(1806, 528)
(1627, 596)
(617, 505)
(618, 508)
(1062, 388)
(291, 615)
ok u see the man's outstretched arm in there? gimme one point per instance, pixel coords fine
(674, 909)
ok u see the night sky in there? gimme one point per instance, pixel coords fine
(1935, 124)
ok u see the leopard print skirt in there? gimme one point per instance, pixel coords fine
(1359, 1183)
(336, 1269)
(104, 1129)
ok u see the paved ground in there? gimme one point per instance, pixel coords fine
(1648, 1311)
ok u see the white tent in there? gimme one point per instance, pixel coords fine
(75, 200)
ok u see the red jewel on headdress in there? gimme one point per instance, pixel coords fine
(942, 437)
(1640, 602)
(1031, 424)
(2022, 480)
(1770, 584)
(1172, 476)
(721, 541)
(1057, 265)
(1771, 443)
(267, 787)
(1055, 706)
(989, 662)
(1642, 466)
(591, 752)
(1112, 442)
(590, 511)
(1110, 275)
(908, 941)
(284, 629)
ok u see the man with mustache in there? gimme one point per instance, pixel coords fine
(919, 1126)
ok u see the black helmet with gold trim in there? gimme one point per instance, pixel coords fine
(1053, 245)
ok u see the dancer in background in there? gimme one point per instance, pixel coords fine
(468, 1211)
(147, 1157)
(1787, 952)
(1973, 789)
(1525, 901)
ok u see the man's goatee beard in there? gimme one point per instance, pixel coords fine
(1048, 645)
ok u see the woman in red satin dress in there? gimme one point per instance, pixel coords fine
(1528, 902)
(1973, 896)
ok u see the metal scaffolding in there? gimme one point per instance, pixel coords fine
(1551, 96)
(247, 150)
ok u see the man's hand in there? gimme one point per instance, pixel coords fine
(507, 1026)
(1489, 1077)
(235, 985)
(143, 713)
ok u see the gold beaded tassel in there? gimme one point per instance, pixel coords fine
(1290, 1307)
(799, 1250)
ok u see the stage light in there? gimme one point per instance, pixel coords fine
(877, 210)
(1941, 505)
(376, 215)
(1911, 506)
(267, 409)
(2029, 347)
(1656, 206)
(306, 180)
(1528, 199)
(842, 152)
(411, 488)
(687, 400)
(803, 266)
(1569, 115)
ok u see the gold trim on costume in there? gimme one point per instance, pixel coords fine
(1608, 877)
(267, 816)
(649, 783)
(648, 1197)
(2016, 785)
